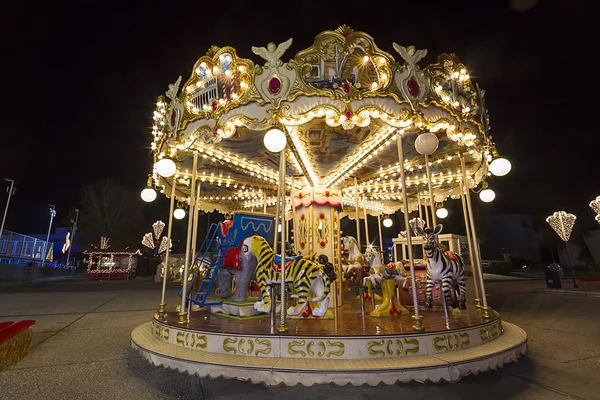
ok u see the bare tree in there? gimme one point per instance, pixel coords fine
(110, 210)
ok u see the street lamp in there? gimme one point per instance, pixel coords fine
(148, 194)
(52, 211)
(11, 190)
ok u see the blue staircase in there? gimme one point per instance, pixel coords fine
(212, 266)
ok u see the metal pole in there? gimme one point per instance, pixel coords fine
(52, 214)
(419, 202)
(73, 235)
(195, 227)
(433, 216)
(380, 238)
(10, 191)
(571, 264)
(485, 308)
(418, 318)
(476, 276)
(264, 201)
(357, 218)
(367, 240)
(282, 326)
(162, 307)
(273, 309)
(182, 312)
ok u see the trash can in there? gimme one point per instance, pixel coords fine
(552, 279)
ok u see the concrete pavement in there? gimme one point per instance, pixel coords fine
(81, 350)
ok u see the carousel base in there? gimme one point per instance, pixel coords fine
(350, 349)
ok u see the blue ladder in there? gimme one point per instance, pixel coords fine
(214, 265)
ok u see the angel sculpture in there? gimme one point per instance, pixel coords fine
(272, 53)
(409, 54)
(173, 89)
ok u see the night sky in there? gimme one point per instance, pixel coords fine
(79, 83)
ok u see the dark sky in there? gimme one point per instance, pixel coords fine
(79, 82)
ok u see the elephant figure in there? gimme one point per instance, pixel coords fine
(243, 276)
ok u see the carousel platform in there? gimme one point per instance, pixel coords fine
(348, 349)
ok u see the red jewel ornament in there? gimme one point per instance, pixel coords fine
(173, 118)
(348, 115)
(214, 105)
(413, 87)
(274, 85)
(346, 87)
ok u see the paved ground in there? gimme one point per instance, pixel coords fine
(81, 350)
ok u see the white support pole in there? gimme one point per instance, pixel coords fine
(357, 217)
(282, 313)
(476, 276)
(264, 201)
(11, 190)
(380, 238)
(367, 238)
(73, 230)
(195, 226)
(186, 266)
(486, 310)
(417, 318)
(162, 307)
(433, 217)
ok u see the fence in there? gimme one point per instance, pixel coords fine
(16, 248)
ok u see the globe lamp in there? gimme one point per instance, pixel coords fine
(179, 213)
(165, 167)
(441, 213)
(388, 222)
(274, 140)
(148, 195)
(487, 195)
(500, 167)
(426, 143)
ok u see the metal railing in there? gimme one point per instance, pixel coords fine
(18, 246)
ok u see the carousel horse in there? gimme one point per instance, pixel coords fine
(355, 260)
(445, 267)
(306, 275)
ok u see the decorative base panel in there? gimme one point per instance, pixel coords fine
(385, 368)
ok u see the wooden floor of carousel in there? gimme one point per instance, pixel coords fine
(350, 348)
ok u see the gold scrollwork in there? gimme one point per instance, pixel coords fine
(391, 347)
(295, 343)
(451, 341)
(161, 332)
(191, 340)
(250, 348)
(337, 353)
(491, 332)
(328, 348)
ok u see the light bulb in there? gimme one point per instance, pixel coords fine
(441, 213)
(487, 195)
(165, 167)
(179, 213)
(148, 195)
(275, 140)
(388, 222)
(500, 167)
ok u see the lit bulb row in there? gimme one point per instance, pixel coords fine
(303, 155)
(369, 205)
(260, 203)
(334, 117)
(158, 117)
(361, 156)
(462, 77)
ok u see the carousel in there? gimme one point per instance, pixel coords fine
(277, 293)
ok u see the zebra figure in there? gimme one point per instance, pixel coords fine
(445, 267)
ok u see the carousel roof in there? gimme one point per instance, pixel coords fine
(341, 103)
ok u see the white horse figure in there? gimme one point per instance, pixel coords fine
(355, 259)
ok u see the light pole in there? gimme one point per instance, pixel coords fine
(11, 190)
(52, 215)
(73, 235)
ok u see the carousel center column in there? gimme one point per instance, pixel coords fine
(317, 229)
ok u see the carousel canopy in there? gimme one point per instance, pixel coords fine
(341, 104)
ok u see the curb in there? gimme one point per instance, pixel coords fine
(569, 291)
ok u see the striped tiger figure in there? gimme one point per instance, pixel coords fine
(305, 274)
(445, 267)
